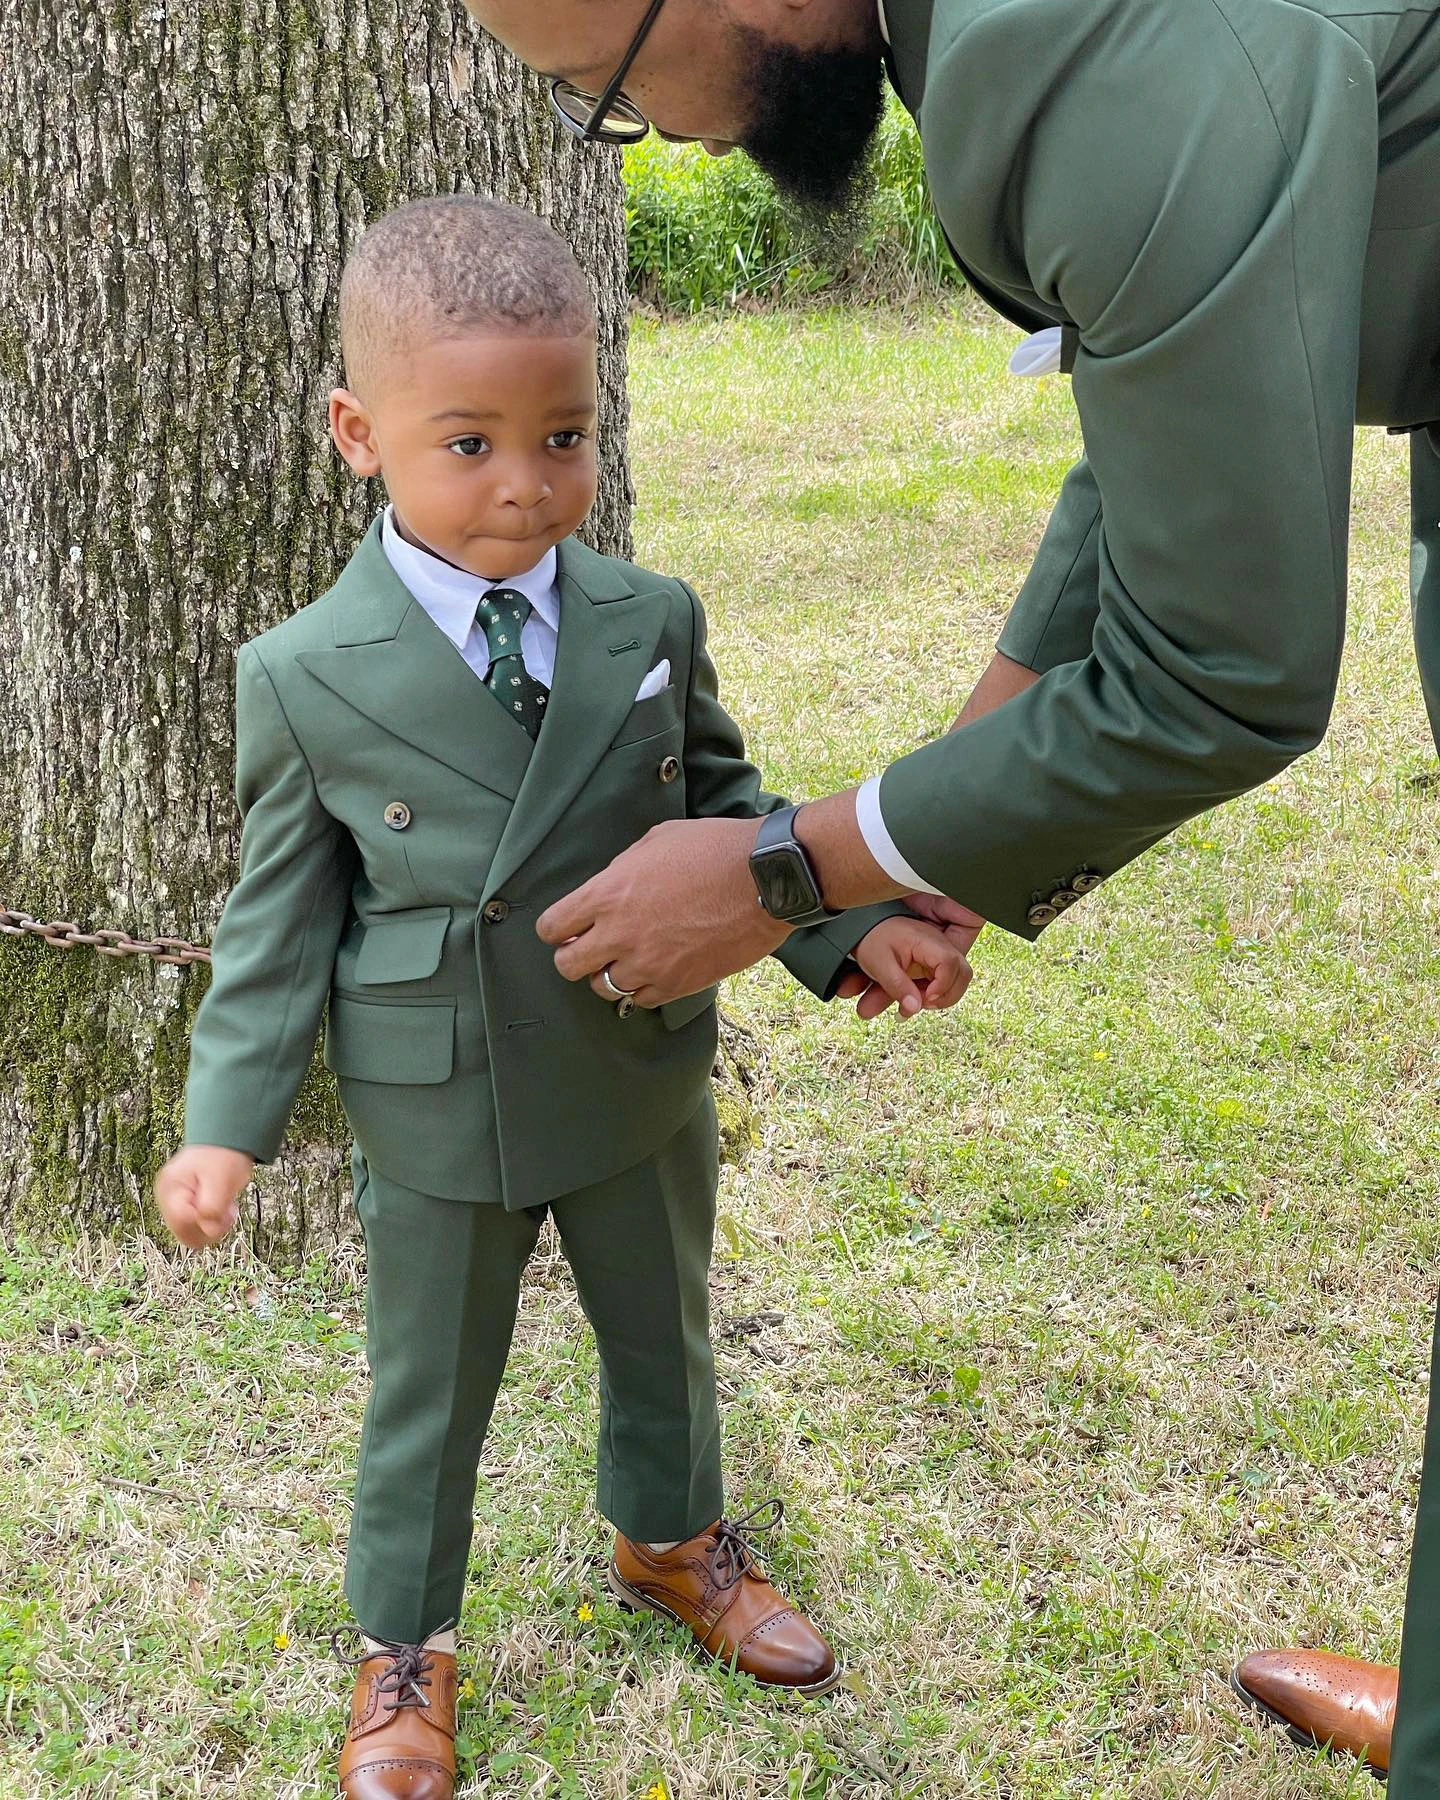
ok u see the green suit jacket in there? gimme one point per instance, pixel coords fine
(1235, 204)
(401, 838)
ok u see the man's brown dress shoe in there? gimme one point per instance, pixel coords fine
(713, 1585)
(401, 1739)
(1321, 1698)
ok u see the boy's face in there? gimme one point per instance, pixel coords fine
(486, 445)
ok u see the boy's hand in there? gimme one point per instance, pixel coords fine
(912, 964)
(197, 1191)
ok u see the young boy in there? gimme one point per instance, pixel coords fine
(476, 718)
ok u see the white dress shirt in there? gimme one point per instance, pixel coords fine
(451, 595)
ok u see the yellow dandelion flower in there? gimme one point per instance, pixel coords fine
(658, 1792)
(467, 1689)
(1100, 1056)
(585, 1613)
(282, 1640)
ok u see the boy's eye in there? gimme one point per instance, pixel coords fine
(566, 440)
(470, 446)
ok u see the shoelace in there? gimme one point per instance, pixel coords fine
(404, 1682)
(733, 1555)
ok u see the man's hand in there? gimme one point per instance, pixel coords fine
(910, 964)
(671, 915)
(197, 1191)
(959, 924)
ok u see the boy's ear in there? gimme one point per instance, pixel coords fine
(353, 432)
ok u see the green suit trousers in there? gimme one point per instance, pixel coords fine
(444, 1286)
(1415, 1752)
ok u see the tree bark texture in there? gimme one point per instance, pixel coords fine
(179, 184)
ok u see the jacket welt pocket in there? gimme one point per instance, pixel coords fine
(411, 1043)
(675, 1013)
(402, 946)
(648, 718)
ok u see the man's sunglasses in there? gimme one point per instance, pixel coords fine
(609, 118)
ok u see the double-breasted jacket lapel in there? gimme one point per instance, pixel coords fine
(395, 665)
(608, 634)
(392, 663)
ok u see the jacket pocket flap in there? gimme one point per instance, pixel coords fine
(403, 947)
(648, 717)
(676, 1013)
(379, 1040)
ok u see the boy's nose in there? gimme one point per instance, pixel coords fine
(523, 490)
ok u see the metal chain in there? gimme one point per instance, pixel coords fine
(65, 934)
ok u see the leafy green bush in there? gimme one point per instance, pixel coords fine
(706, 231)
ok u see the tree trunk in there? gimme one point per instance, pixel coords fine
(179, 185)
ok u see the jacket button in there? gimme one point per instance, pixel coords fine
(1063, 897)
(496, 912)
(1041, 913)
(624, 1008)
(397, 815)
(1086, 881)
(670, 768)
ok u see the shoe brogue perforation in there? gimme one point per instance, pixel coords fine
(766, 1626)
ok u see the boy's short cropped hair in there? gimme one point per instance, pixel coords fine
(455, 263)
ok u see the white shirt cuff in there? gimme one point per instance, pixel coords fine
(879, 842)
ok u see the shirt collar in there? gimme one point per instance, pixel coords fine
(884, 22)
(450, 595)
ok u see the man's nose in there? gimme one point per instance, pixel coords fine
(711, 146)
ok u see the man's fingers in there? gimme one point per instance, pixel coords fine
(640, 994)
(961, 924)
(963, 936)
(581, 958)
(852, 986)
(568, 917)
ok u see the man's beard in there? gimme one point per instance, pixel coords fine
(815, 114)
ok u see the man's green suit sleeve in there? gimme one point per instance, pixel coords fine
(1197, 200)
(274, 948)
(721, 783)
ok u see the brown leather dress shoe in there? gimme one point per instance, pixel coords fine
(401, 1739)
(714, 1586)
(1321, 1698)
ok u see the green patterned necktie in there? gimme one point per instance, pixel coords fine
(501, 615)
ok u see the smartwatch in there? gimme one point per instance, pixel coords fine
(782, 873)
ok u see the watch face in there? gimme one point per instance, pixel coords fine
(786, 890)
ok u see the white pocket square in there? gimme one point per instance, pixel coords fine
(656, 681)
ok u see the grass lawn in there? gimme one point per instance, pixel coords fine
(1083, 1330)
